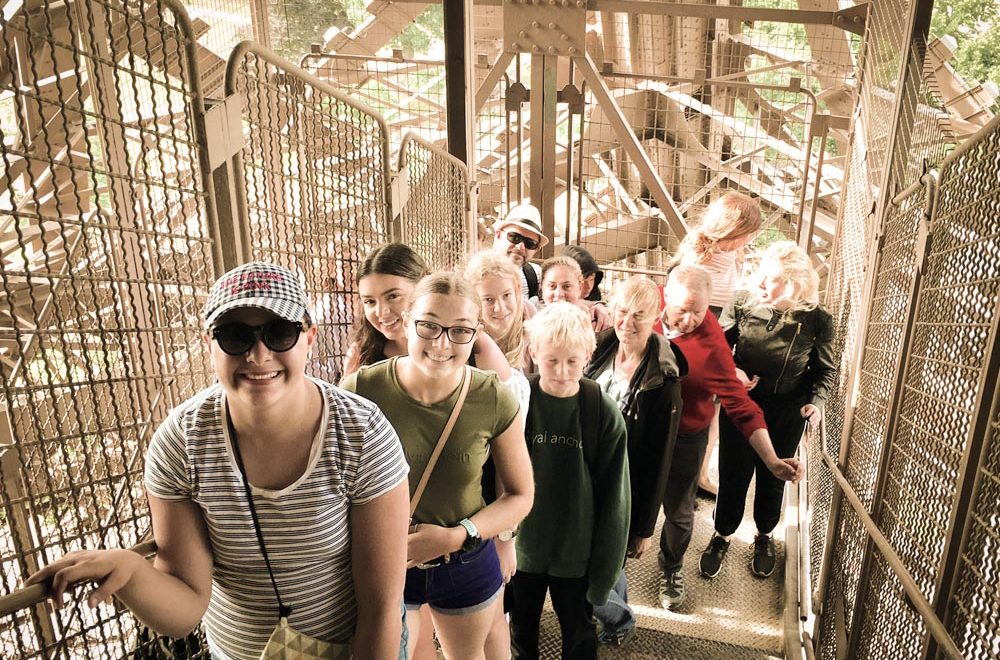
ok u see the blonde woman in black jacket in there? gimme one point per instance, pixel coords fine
(783, 341)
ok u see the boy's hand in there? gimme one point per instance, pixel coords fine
(637, 546)
(507, 553)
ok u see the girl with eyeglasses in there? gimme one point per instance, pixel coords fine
(272, 494)
(452, 563)
(385, 286)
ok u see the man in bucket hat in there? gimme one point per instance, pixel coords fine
(518, 236)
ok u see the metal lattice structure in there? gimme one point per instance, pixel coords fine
(125, 192)
(108, 252)
(437, 203)
(313, 185)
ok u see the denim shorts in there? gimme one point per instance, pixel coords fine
(468, 583)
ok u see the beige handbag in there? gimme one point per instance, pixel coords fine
(285, 642)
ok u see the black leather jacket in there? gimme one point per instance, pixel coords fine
(792, 352)
(652, 411)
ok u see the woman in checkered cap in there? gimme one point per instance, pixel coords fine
(270, 493)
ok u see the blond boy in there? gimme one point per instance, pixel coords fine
(573, 542)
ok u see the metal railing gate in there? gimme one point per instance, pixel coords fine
(122, 199)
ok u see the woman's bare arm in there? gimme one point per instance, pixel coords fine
(169, 595)
(378, 559)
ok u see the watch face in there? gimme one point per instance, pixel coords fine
(505, 535)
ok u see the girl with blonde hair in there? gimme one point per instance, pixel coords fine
(498, 281)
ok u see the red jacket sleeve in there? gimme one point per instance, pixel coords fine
(721, 380)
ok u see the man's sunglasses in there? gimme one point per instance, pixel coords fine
(457, 334)
(514, 238)
(237, 338)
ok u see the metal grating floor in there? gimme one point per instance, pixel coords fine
(736, 616)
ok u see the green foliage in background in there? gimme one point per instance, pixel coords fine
(975, 25)
(297, 24)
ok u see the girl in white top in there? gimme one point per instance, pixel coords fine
(729, 224)
(328, 480)
(497, 281)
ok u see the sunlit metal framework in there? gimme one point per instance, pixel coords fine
(142, 155)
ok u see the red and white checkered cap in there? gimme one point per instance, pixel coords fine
(261, 285)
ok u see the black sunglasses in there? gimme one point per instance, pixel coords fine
(457, 334)
(514, 238)
(237, 338)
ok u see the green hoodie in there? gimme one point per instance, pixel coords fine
(579, 523)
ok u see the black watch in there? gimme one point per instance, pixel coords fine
(473, 539)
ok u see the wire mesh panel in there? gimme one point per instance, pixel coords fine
(107, 258)
(956, 320)
(884, 40)
(973, 608)
(220, 25)
(408, 93)
(315, 175)
(435, 212)
(951, 341)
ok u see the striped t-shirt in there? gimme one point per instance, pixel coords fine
(355, 457)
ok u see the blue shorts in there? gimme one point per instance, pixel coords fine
(470, 582)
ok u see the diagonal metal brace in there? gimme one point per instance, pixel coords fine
(632, 146)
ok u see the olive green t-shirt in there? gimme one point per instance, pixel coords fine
(454, 490)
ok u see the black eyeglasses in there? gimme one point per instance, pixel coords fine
(457, 334)
(514, 238)
(237, 338)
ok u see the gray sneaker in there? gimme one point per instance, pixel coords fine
(711, 558)
(672, 592)
(764, 556)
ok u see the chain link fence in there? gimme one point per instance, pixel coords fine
(313, 186)
(108, 252)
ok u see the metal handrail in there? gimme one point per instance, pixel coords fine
(797, 569)
(24, 597)
(934, 625)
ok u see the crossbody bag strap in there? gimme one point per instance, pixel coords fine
(283, 610)
(466, 381)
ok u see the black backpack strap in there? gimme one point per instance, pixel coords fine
(591, 408)
(533, 383)
(591, 420)
(532, 277)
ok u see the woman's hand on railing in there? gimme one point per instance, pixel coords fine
(812, 414)
(110, 569)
